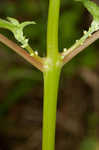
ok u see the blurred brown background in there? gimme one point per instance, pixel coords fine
(21, 85)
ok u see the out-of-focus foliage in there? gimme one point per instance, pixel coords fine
(90, 141)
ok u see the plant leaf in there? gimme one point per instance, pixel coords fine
(16, 28)
(13, 21)
(6, 25)
(92, 7)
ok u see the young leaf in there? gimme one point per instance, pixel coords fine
(13, 21)
(16, 28)
(94, 10)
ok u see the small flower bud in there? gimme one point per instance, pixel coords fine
(32, 54)
(65, 49)
(84, 32)
(36, 52)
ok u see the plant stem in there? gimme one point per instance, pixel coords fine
(51, 77)
(51, 80)
(36, 61)
(52, 29)
(70, 53)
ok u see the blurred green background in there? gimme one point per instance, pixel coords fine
(21, 85)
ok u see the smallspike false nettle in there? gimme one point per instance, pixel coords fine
(52, 64)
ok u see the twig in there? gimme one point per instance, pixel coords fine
(34, 60)
(70, 53)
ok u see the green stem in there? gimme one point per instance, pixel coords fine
(51, 80)
(51, 77)
(52, 29)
